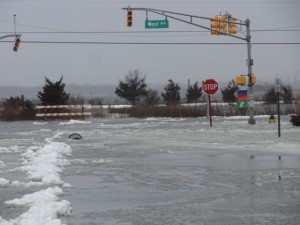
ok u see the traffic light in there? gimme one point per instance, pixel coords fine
(252, 79)
(129, 18)
(222, 26)
(214, 25)
(17, 43)
(231, 26)
(240, 80)
(218, 24)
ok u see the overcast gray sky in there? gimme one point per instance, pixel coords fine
(272, 21)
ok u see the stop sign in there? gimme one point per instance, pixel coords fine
(210, 86)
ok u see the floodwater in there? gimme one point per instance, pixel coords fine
(163, 171)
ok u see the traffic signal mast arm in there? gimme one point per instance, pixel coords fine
(172, 15)
(10, 35)
(217, 29)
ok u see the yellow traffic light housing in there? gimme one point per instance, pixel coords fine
(231, 26)
(17, 43)
(240, 80)
(222, 24)
(252, 79)
(215, 25)
(129, 18)
(218, 24)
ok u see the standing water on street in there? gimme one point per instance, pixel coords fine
(152, 171)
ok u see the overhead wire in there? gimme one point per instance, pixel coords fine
(152, 2)
(133, 33)
(61, 31)
(138, 32)
(153, 43)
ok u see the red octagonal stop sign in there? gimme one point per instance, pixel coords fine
(210, 86)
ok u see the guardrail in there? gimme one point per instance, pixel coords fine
(80, 111)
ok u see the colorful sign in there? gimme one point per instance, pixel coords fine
(242, 104)
(242, 94)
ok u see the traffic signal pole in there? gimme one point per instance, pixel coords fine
(189, 20)
(250, 85)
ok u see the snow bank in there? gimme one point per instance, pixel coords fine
(45, 164)
(71, 122)
(44, 208)
(112, 106)
(40, 123)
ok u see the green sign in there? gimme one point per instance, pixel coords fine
(242, 104)
(153, 24)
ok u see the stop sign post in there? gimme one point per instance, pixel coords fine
(210, 87)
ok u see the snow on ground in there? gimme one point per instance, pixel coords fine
(44, 208)
(43, 166)
(71, 122)
(46, 163)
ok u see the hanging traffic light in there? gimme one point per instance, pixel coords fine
(218, 24)
(252, 79)
(214, 25)
(231, 26)
(223, 23)
(129, 18)
(17, 43)
(240, 80)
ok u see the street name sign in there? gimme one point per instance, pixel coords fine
(153, 24)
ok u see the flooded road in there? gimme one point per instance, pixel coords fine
(159, 171)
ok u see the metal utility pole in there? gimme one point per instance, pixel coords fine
(278, 112)
(277, 91)
(223, 27)
(250, 85)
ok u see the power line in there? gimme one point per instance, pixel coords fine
(154, 43)
(152, 2)
(60, 31)
(137, 32)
